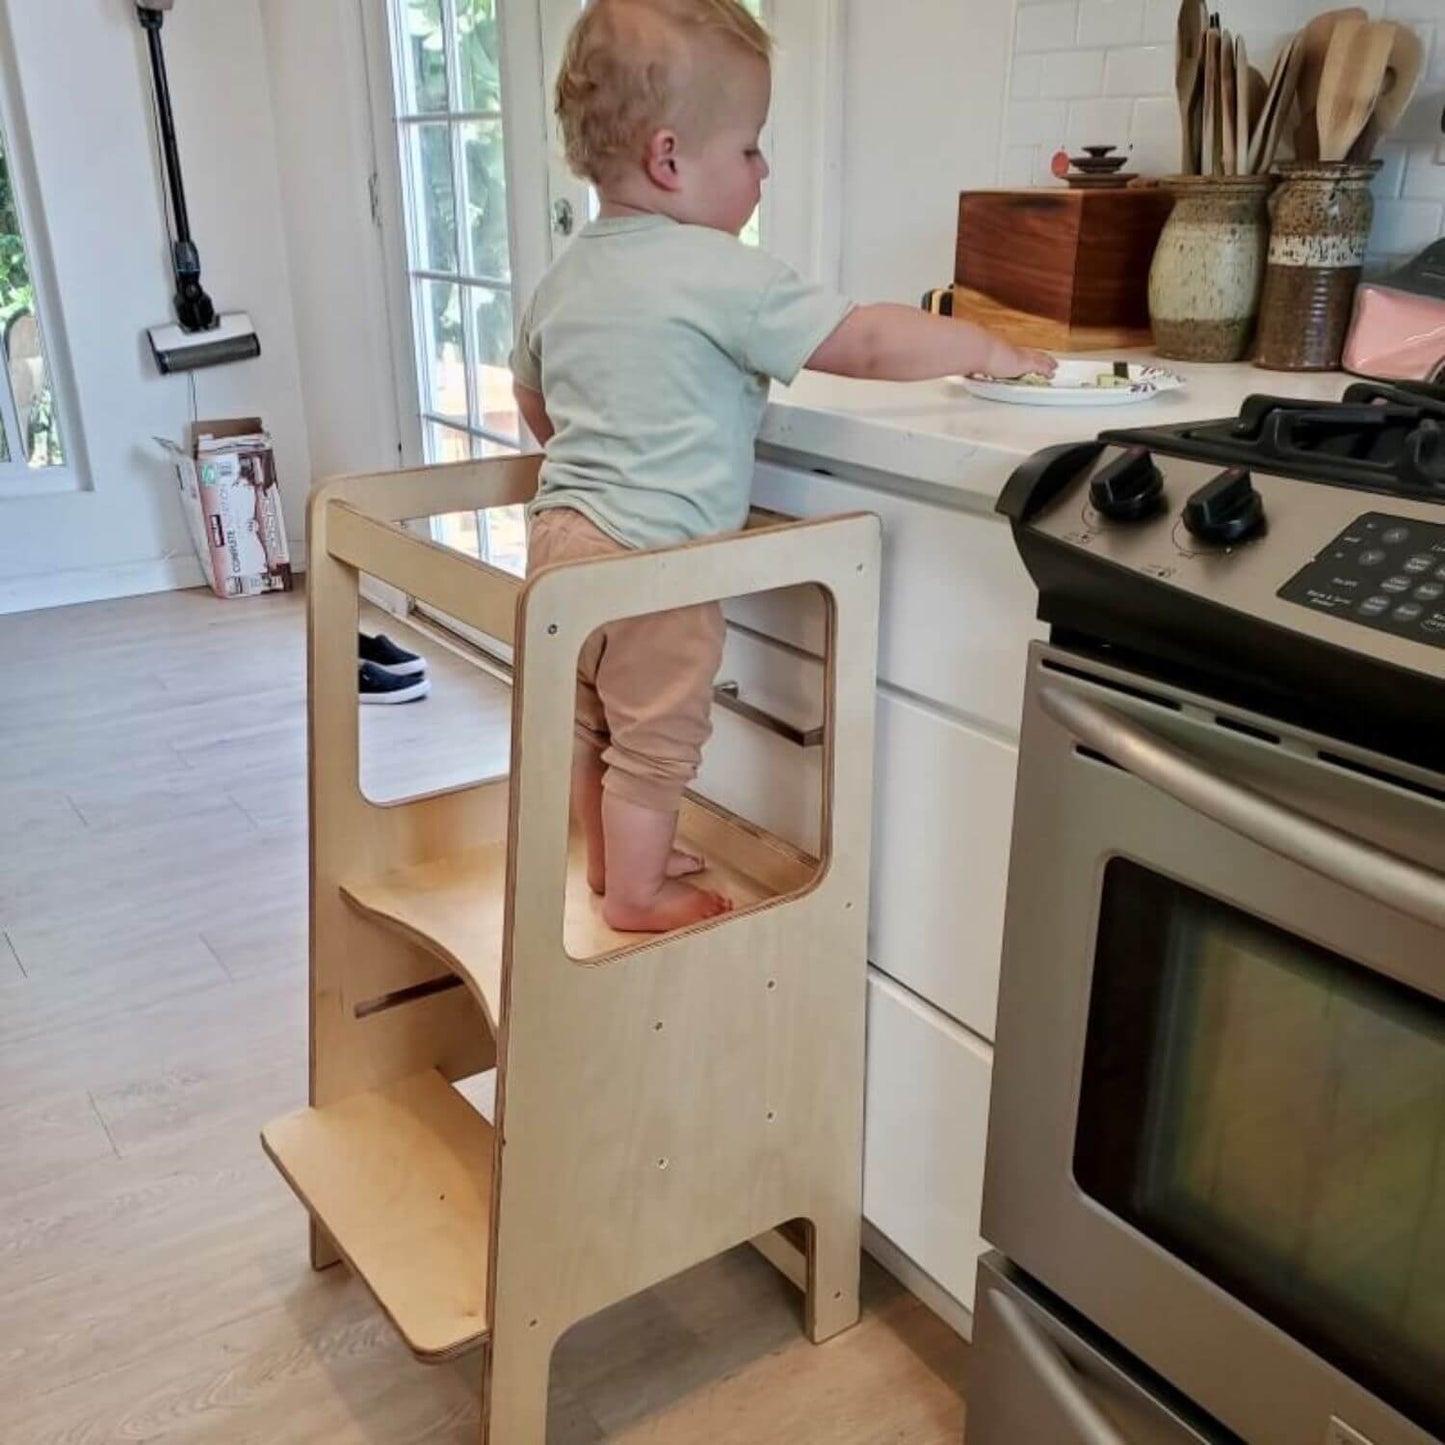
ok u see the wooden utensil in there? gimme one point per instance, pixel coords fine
(1277, 102)
(1354, 74)
(1209, 148)
(1188, 76)
(1241, 107)
(1229, 152)
(1402, 79)
(1315, 43)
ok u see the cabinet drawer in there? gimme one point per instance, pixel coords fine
(752, 771)
(943, 820)
(927, 1123)
(958, 606)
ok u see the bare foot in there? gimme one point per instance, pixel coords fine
(676, 905)
(685, 865)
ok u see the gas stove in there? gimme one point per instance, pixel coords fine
(1239, 555)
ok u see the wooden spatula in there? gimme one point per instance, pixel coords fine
(1354, 74)
(1241, 106)
(1209, 149)
(1229, 152)
(1188, 77)
(1315, 43)
(1277, 102)
(1402, 79)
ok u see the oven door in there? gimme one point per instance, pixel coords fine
(1218, 1123)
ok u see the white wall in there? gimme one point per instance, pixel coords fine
(85, 92)
(1102, 72)
(923, 119)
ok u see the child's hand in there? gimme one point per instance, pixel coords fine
(1009, 361)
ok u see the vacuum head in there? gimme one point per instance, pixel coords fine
(232, 338)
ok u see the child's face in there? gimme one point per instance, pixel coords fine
(722, 176)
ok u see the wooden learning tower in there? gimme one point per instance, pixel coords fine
(658, 1100)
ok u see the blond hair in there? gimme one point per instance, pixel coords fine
(625, 68)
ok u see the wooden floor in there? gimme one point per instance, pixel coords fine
(153, 1276)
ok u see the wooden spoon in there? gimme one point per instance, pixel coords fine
(1354, 74)
(1402, 79)
(1241, 107)
(1280, 97)
(1315, 42)
(1228, 105)
(1188, 75)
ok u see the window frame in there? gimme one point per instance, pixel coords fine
(19, 478)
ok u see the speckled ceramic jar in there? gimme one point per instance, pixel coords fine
(1208, 270)
(1322, 215)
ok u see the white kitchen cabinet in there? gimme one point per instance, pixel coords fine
(927, 1111)
(957, 607)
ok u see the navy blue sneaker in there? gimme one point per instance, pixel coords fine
(380, 651)
(375, 685)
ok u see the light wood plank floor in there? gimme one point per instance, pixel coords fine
(153, 1275)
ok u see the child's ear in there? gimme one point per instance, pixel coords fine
(661, 161)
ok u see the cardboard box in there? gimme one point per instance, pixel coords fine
(231, 497)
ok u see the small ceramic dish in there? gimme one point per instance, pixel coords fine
(1078, 383)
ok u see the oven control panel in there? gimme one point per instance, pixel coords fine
(1383, 572)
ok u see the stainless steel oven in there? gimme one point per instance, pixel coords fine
(1216, 1169)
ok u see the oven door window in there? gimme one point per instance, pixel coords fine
(1274, 1115)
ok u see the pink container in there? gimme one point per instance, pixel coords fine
(1396, 335)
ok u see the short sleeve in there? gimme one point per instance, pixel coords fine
(794, 318)
(526, 360)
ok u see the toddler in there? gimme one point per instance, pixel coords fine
(642, 365)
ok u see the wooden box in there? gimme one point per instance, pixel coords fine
(1063, 269)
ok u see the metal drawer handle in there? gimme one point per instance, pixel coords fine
(1057, 1375)
(729, 695)
(1325, 850)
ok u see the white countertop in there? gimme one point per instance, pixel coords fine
(935, 433)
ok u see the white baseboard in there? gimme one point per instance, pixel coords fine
(100, 584)
(955, 1315)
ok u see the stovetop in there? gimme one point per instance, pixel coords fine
(1387, 438)
(1240, 555)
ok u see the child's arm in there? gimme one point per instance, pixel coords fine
(899, 343)
(533, 407)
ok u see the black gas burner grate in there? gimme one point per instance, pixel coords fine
(1386, 438)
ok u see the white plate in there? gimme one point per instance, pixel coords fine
(1076, 383)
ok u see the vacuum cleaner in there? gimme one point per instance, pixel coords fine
(200, 337)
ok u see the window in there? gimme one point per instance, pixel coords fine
(33, 448)
(449, 123)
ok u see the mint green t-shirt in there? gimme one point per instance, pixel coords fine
(653, 344)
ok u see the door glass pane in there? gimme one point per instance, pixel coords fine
(26, 370)
(444, 375)
(495, 408)
(447, 443)
(433, 196)
(478, 72)
(488, 247)
(424, 62)
(1274, 1115)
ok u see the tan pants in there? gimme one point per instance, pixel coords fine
(644, 685)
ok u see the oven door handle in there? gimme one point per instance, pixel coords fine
(1325, 850)
(1055, 1373)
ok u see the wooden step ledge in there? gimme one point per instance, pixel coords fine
(401, 1179)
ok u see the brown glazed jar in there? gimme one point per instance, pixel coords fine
(1322, 215)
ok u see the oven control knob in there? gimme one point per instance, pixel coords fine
(1228, 509)
(1128, 488)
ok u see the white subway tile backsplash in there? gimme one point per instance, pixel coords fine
(1099, 122)
(1404, 227)
(1027, 80)
(1053, 25)
(1102, 72)
(1111, 22)
(1037, 122)
(1140, 70)
(1069, 73)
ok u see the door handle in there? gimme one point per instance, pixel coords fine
(1055, 1373)
(1325, 850)
(728, 695)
